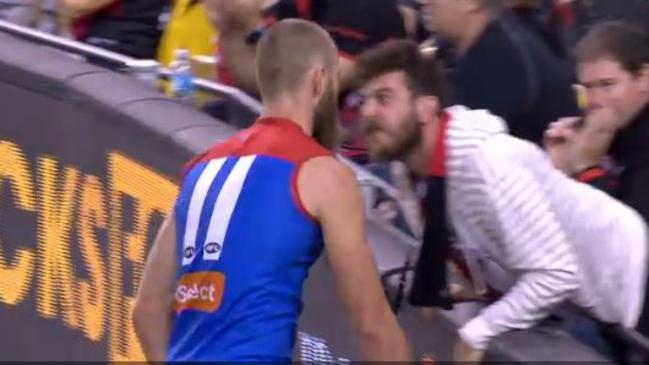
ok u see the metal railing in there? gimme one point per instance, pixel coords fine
(64, 44)
(148, 70)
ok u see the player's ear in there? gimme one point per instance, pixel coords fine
(318, 82)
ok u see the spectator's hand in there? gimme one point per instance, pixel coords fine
(574, 146)
(459, 286)
(388, 210)
(594, 140)
(558, 140)
(465, 354)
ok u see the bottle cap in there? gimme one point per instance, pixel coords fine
(182, 53)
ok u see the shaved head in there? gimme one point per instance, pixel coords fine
(298, 61)
(285, 55)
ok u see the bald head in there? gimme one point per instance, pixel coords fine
(288, 52)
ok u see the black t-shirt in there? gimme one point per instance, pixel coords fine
(128, 27)
(512, 73)
(355, 25)
(631, 151)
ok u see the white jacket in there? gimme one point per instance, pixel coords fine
(558, 239)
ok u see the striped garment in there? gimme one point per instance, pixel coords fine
(555, 238)
(314, 350)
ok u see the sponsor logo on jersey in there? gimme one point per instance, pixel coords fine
(200, 291)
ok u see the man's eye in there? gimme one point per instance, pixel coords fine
(605, 84)
(383, 98)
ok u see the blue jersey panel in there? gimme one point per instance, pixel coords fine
(240, 286)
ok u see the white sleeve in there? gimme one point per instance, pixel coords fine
(512, 209)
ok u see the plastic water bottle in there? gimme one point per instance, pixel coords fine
(182, 77)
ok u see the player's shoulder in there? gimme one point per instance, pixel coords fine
(218, 150)
(325, 182)
(327, 173)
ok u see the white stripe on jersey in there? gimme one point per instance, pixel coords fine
(224, 207)
(195, 206)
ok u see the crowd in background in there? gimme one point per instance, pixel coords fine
(527, 48)
(513, 57)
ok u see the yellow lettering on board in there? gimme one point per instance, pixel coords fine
(56, 275)
(92, 292)
(151, 193)
(15, 278)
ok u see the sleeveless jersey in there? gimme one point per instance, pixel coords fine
(245, 245)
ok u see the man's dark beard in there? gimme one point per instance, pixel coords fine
(326, 120)
(409, 138)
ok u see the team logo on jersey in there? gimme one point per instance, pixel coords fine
(212, 248)
(200, 291)
(189, 252)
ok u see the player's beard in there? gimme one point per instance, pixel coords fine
(326, 129)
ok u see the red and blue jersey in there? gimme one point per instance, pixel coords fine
(245, 245)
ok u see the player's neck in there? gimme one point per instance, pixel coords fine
(291, 110)
(419, 160)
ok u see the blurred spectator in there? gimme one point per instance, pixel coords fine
(243, 20)
(502, 66)
(634, 11)
(355, 26)
(128, 27)
(569, 16)
(544, 18)
(415, 28)
(613, 65)
(614, 68)
(188, 28)
(235, 20)
(42, 15)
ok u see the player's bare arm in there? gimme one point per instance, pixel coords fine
(152, 315)
(329, 192)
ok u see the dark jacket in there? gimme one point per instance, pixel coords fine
(129, 27)
(511, 72)
(631, 151)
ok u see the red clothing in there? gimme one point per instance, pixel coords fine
(81, 26)
(274, 137)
